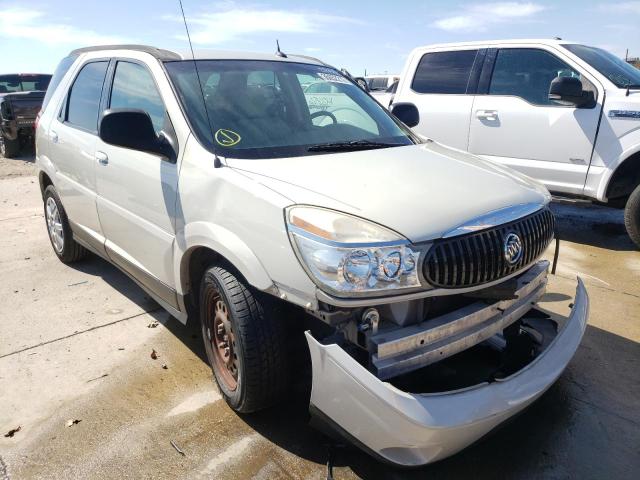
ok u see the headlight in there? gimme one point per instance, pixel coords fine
(349, 255)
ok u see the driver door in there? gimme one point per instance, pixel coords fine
(137, 190)
(513, 122)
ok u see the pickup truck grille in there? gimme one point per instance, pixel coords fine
(477, 258)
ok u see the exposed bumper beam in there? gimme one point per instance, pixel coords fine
(406, 349)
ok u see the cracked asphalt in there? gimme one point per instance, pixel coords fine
(76, 344)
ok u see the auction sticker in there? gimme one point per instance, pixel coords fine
(332, 77)
(227, 138)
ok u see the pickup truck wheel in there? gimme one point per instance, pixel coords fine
(632, 216)
(59, 230)
(244, 344)
(9, 148)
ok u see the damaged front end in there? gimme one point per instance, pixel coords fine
(416, 381)
(432, 344)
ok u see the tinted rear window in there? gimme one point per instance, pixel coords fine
(444, 72)
(84, 97)
(25, 82)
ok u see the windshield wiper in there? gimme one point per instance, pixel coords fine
(351, 146)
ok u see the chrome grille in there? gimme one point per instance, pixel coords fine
(477, 258)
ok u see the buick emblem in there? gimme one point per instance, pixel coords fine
(512, 248)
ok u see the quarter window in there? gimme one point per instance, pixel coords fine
(84, 97)
(133, 87)
(527, 73)
(444, 72)
(58, 75)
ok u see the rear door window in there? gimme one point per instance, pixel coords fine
(527, 73)
(134, 87)
(444, 72)
(84, 97)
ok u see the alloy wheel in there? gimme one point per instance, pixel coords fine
(54, 225)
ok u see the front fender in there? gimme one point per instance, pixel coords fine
(632, 150)
(223, 242)
(618, 140)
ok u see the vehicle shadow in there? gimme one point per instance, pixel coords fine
(27, 155)
(590, 410)
(593, 225)
(119, 281)
(99, 267)
(562, 435)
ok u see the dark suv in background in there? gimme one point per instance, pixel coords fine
(21, 96)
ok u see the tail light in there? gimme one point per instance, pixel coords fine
(35, 122)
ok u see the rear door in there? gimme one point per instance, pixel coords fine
(137, 190)
(516, 124)
(442, 87)
(72, 142)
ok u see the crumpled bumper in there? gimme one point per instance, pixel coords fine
(416, 429)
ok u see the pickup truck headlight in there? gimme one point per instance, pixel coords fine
(349, 255)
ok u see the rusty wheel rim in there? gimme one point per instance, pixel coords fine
(223, 343)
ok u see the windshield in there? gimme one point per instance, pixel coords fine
(268, 109)
(615, 69)
(23, 82)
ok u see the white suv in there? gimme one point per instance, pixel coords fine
(565, 114)
(273, 216)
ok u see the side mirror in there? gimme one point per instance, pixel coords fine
(362, 83)
(407, 113)
(567, 91)
(132, 128)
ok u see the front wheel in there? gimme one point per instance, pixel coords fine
(244, 342)
(632, 216)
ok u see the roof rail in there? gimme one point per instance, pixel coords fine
(159, 53)
(307, 57)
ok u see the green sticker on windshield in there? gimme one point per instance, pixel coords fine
(227, 138)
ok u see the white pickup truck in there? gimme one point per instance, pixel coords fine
(563, 113)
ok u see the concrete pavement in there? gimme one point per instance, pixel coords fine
(76, 345)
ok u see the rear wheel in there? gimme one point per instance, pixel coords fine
(632, 216)
(59, 230)
(245, 344)
(9, 148)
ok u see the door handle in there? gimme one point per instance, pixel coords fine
(102, 158)
(491, 115)
(54, 136)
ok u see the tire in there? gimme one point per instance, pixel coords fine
(632, 216)
(64, 246)
(255, 342)
(9, 148)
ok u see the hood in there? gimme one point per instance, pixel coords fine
(420, 191)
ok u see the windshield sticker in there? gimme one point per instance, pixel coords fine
(227, 138)
(332, 77)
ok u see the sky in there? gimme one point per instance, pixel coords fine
(371, 36)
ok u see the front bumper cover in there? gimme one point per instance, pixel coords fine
(415, 429)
